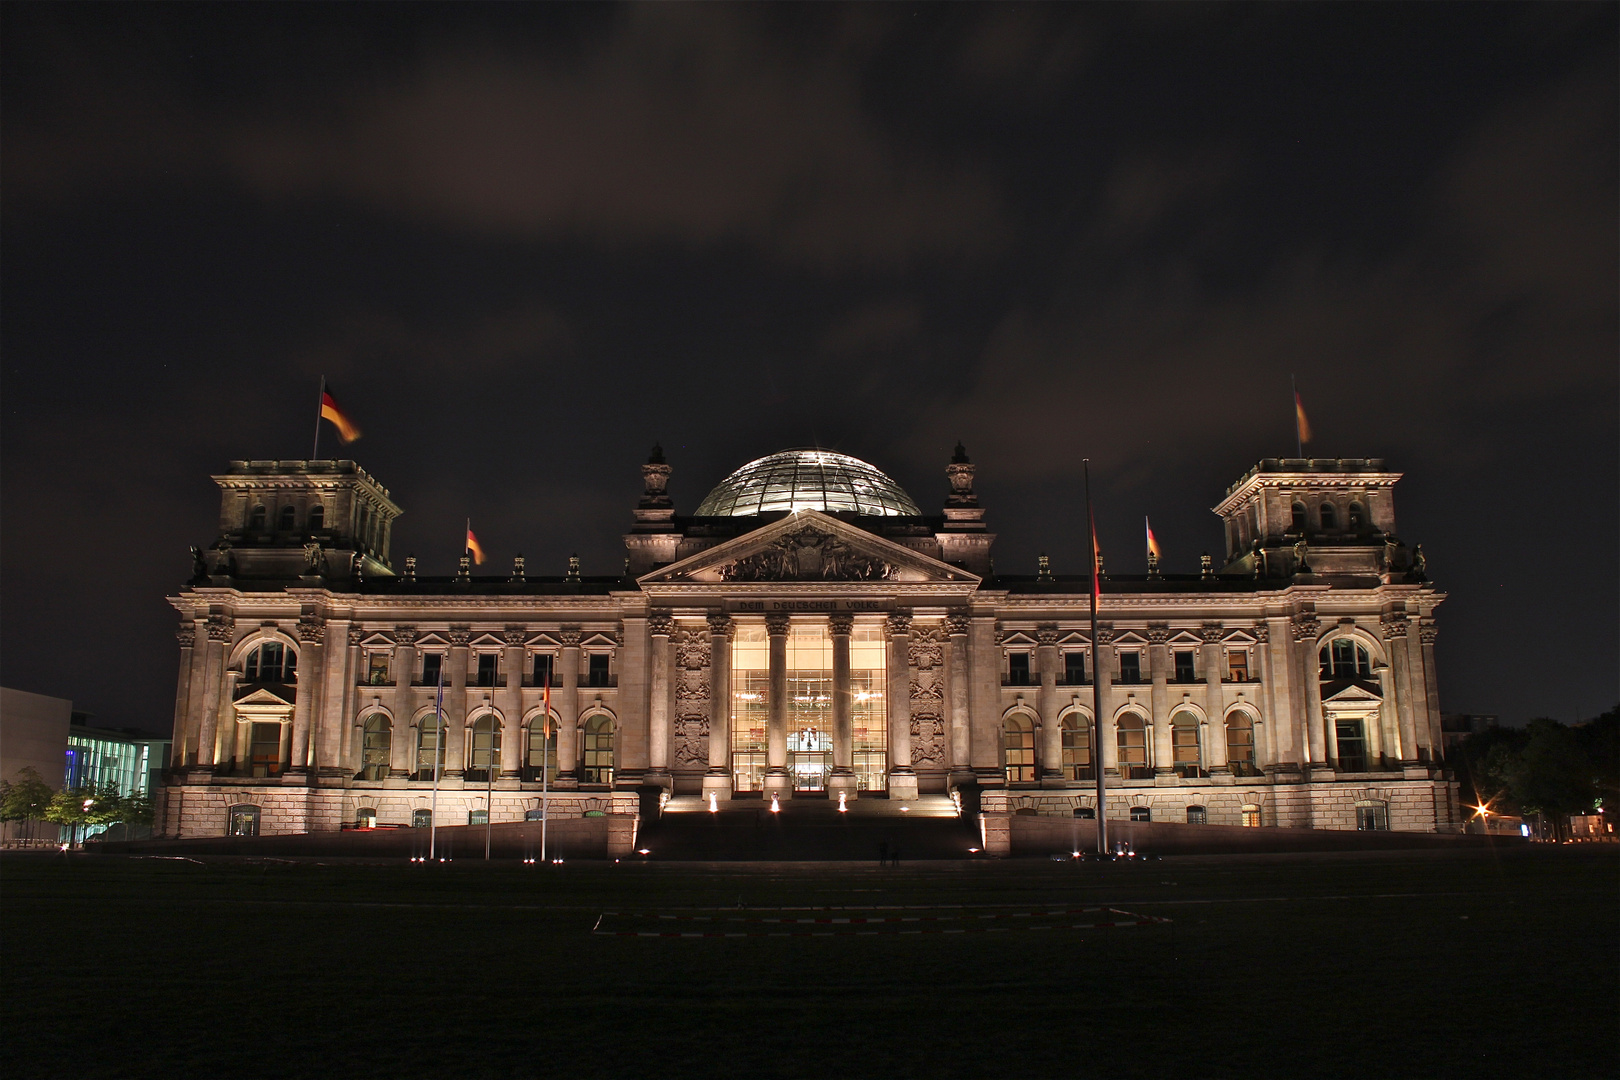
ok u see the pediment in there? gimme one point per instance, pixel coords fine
(262, 698)
(1353, 693)
(808, 546)
(1185, 637)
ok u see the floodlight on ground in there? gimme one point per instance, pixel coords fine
(714, 802)
(643, 851)
(842, 808)
(905, 809)
(776, 804)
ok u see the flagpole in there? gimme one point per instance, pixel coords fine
(438, 756)
(1096, 680)
(1299, 440)
(545, 760)
(320, 402)
(489, 785)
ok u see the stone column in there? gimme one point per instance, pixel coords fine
(1395, 640)
(1278, 691)
(566, 703)
(455, 704)
(839, 628)
(984, 731)
(1102, 669)
(659, 627)
(187, 636)
(307, 694)
(400, 748)
(1214, 705)
(957, 681)
(221, 628)
(511, 703)
(718, 778)
(777, 779)
(902, 778)
(1308, 666)
(337, 691)
(1427, 703)
(284, 745)
(1158, 650)
(1050, 752)
(238, 740)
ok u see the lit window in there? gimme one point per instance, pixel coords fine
(542, 751)
(1184, 744)
(1131, 737)
(1372, 815)
(484, 749)
(377, 669)
(1076, 747)
(429, 748)
(478, 817)
(1251, 816)
(375, 743)
(1018, 746)
(365, 818)
(1352, 746)
(1240, 744)
(244, 821)
(1237, 665)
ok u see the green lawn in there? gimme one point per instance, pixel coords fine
(1465, 964)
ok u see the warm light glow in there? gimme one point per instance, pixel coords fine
(714, 803)
(842, 809)
(776, 804)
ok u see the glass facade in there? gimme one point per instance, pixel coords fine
(807, 480)
(869, 709)
(750, 705)
(94, 761)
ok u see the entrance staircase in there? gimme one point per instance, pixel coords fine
(807, 829)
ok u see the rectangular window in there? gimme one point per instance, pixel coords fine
(869, 716)
(266, 749)
(1352, 748)
(1074, 668)
(598, 671)
(1018, 669)
(1130, 667)
(1185, 671)
(377, 669)
(478, 817)
(750, 693)
(542, 669)
(1197, 815)
(1237, 665)
(1251, 817)
(486, 668)
(432, 664)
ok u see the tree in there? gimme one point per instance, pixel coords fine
(1600, 740)
(1551, 774)
(70, 807)
(26, 798)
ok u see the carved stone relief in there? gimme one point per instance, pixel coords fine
(690, 675)
(927, 656)
(808, 555)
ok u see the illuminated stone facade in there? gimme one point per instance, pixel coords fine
(811, 635)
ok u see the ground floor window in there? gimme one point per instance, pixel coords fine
(1085, 812)
(1197, 815)
(421, 819)
(1076, 748)
(1251, 816)
(429, 748)
(1240, 745)
(375, 744)
(244, 821)
(1184, 745)
(598, 765)
(1141, 813)
(1018, 746)
(542, 752)
(484, 748)
(871, 770)
(1131, 736)
(1372, 816)
(365, 818)
(478, 817)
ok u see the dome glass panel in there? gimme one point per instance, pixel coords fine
(807, 480)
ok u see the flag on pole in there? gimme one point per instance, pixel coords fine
(1152, 543)
(474, 547)
(1096, 560)
(545, 704)
(1302, 426)
(330, 411)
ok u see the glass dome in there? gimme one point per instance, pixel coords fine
(807, 480)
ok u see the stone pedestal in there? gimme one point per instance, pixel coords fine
(902, 785)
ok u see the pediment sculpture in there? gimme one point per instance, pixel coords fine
(809, 554)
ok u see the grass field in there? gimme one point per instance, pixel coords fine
(1465, 964)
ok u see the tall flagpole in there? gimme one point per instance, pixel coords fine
(1096, 679)
(1299, 439)
(489, 783)
(320, 403)
(545, 759)
(438, 756)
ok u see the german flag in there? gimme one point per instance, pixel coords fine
(1152, 541)
(1302, 426)
(474, 548)
(330, 411)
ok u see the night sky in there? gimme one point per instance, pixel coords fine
(525, 243)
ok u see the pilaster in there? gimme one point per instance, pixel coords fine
(717, 781)
(902, 778)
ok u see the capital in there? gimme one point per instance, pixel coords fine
(570, 636)
(357, 633)
(1211, 632)
(957, 624)
(1393, 624)
(720, 625)
(311, 630)
(1158, 634)
(514, 635)
(186, 635)
(899, 623)
(459, 635)
(660, 624)
(221, 627)
(1046, 634)
(840, 625)
(404, 635)
(776, 624)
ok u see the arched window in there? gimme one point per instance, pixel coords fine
(1076, 734)
(1330, 517)
(1345, 658)
(1299, 517)
(484, 748)
(1197, 815)
(598, 764)
(1356, 516)
(256, 520)
(1131, 736)
(365, 818)
(271, 662)
(542, 751)
(1018, 748)
(317, 518)
(1240, 744)
(1184, 743)
(429, 748)
(1251, 816)
(421, 819)
(289, 516)
(375, 743)
(1141, 813)
(244, 820)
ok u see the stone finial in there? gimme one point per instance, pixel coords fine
(518, 576)
(1206, 566)
(573, 568)
(960, 473)
(410, 568)
(1045, 567)
(1153, 564)
(464, 568)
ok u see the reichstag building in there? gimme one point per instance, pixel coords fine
(808, 631)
